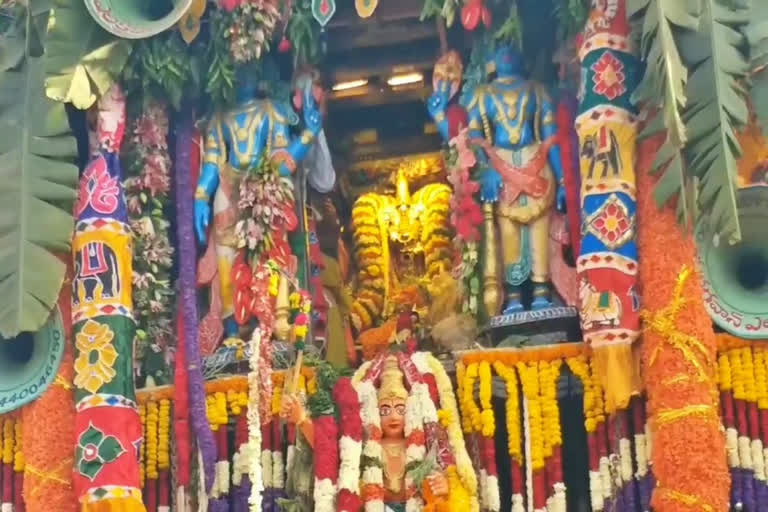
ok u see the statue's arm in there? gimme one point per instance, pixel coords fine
(299, 146)
(212, 153)
(209, 179)
(437, 105)
(548, 130)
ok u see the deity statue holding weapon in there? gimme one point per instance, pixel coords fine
(235, 142)
(512, 123)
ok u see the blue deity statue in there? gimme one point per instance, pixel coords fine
(236, 141)
(512, 121)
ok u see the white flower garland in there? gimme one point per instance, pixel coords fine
(278, 470)
(414, 453)
(254, 423)
(642, 461)
(241, 464)
(266, 469)
(369, 413)
(221, 480)
(349, 465)
(325, 495)
(625, 457)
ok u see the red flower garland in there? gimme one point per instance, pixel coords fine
(348, 403)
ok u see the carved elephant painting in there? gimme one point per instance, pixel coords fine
(603, 149)
(96, 273)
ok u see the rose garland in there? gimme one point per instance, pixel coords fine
(266, 207)
(466, 217)
(326, 435)
(350, 446)
(147, 164)
(250, 25)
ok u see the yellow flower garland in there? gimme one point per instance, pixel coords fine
(236, 401)
(724, 372)
(548, 375)
(737, 375)
(216, 409)
(514, 437)
(277, 395)
(8, 441)
(142, 462)
(466, 423)
(469, 408)
(749, 374)
(18, 455)
(153, 418)
(761, 385)
(529, 375)
(164, 436)
(487, 420)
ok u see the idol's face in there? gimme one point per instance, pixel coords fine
(392, 414)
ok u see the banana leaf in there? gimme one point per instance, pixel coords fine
(716, 109)
(82, 59)
(37, 191)
(696, 68)
(757, 35)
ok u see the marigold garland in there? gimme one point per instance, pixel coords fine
(48, 433)
(143, 448)
(514, 434)
(153, 418)
(679, 350)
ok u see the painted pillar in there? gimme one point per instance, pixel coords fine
(107, 425)
(607, 262)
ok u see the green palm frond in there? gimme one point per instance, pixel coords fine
(37, 190)
(757, 36)
(696, 68)
(664, 86)
(717, 108)
(82, 59)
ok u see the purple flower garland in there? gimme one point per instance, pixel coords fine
(188, 302)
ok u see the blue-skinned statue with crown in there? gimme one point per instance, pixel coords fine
(512, 127)
(245, 193)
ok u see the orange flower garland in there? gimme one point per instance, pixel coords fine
(679, 351)
(49, 433)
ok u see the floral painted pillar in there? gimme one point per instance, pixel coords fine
(607, 263)
(107, 425)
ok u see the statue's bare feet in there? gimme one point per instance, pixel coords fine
(541, 297)
(514, 302)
